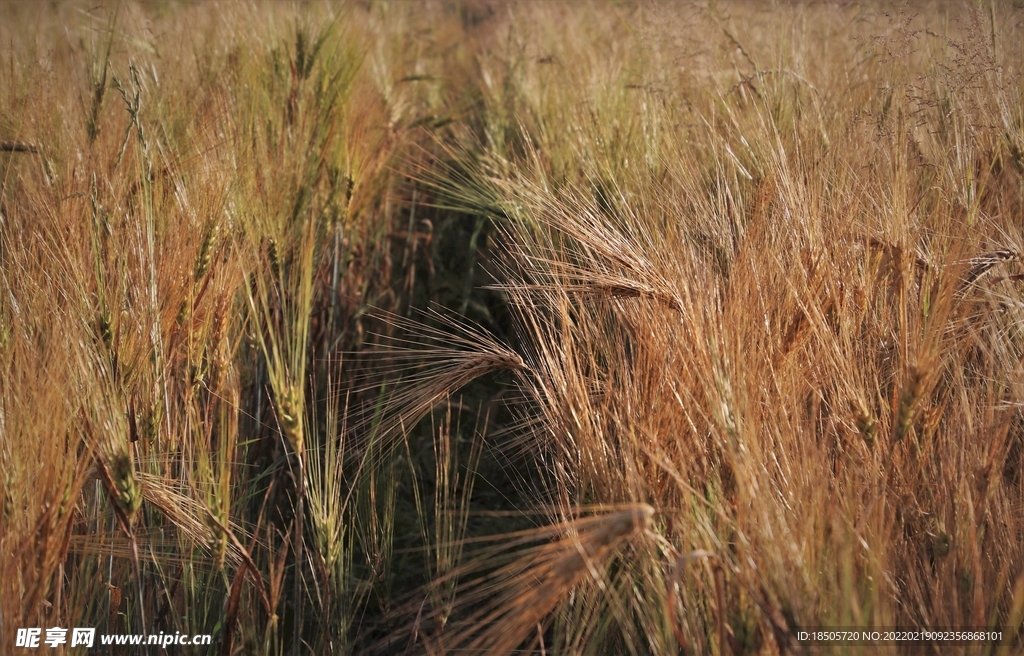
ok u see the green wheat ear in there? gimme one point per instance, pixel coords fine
(119, 479)
(913, 390)
(290, 419)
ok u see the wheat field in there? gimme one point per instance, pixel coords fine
(482, 327)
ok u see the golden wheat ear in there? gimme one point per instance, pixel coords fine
(515, 582)
(982, 264)
(424, 370)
